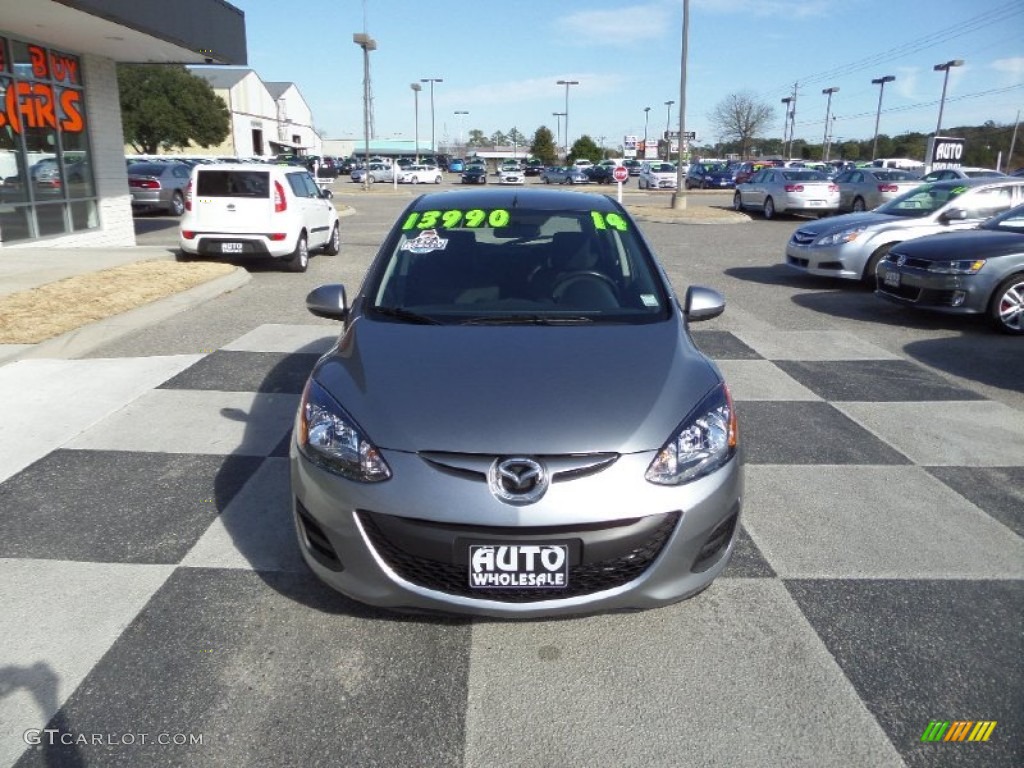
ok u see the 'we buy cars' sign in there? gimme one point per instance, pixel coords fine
(28, 103)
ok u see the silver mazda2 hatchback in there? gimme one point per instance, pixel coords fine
(515, 421)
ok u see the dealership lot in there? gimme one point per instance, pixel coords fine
(153, 584)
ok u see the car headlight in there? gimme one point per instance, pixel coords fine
(331, 439)
(962, 267)
(707, 439)
(840, 237)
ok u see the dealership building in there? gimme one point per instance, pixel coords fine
(62, 164)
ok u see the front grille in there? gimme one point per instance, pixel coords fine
(585, 578)
(909, 262)
(802, 237)
(907, 292)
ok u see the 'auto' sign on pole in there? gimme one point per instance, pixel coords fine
(945, 152)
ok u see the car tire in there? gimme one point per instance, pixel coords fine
(414, 180)
(705, 185)
(437, 180)
(868, 277)
(769, 208)
(859, 206)
(737, 202)
(546, 180)
(369, 180)
(183, 257)
(177, 204)
(1006, 310)
(333, 246)
(299, 260)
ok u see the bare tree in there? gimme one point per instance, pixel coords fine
(741, 117)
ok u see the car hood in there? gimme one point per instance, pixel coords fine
(965, 244)
(517, 389)
(849, 220)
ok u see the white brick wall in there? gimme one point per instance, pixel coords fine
(106, 141)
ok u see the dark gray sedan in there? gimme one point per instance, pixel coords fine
(979, 271)
(159, 186)
(515, 421)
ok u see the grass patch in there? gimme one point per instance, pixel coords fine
(32, 316)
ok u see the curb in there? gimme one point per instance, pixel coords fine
(83, 340)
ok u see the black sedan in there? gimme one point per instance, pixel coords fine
(977, 271)
(474, 174)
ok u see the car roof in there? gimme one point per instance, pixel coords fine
(536, 199)
(264, 167)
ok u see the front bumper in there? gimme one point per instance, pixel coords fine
(952, 294)
(403, 544)
(843, 260)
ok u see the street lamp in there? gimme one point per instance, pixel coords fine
(461, 113)
(432, 80)
(828, 111)
(567, 83)
(668, 122)
(785, 126)
(368, 44)
(416, 88)
(558, 128)
(879, 81)
(647, 117)
(945, 80)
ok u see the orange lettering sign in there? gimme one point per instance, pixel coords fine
(32, 105)
(64, 68)
(38, 56)
(73, 121)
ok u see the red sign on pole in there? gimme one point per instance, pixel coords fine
(621, 173)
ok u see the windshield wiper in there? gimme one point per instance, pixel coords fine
(529, 320)
(407, 315)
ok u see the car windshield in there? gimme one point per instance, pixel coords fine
(663, 168)
(887, 175)
(922, 201)
(147, 169)
(512, 266)
(1011, 221)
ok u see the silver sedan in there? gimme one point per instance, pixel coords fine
(787, 190)
(862, 189)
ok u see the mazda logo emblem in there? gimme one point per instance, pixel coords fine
(517, 480)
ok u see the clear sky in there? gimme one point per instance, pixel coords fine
(500, 62)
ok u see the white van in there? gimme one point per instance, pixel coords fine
(275, 211)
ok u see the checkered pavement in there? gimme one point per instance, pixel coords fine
(151, 589)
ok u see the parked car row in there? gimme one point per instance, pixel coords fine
(952, 246)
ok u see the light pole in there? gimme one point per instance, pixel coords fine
(368, 44)
(668, 122)
(567, 83)
(432, 80)
(462, 114)
(945, 80)
(647, 117)
(785, 126)
(558, 129)
(416, 88)
(879, 81)
(679, 196)
(828, 112)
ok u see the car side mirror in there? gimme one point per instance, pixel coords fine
(326, 194)
(955, 214)
(702, 303)
(328, 301)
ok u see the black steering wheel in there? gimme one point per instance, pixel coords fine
(564, 281)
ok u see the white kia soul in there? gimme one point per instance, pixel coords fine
(256, 210)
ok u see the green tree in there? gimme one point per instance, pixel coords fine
(165, 106)
(543, 146)
(740, 116)
(584, 148)
(476, 138)
(499, 139)
(515, 137)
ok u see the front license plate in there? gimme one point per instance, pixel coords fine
(518, 566)
(892, 278)
(230, 247)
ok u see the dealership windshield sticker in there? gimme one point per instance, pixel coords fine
(958, 730)
(518, 566)
(474, 219)
(425, 242)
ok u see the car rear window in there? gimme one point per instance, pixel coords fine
(233, 183)
(147, 169)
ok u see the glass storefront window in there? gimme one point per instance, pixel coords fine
(46, 180)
